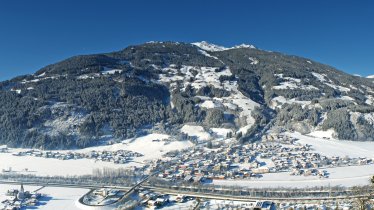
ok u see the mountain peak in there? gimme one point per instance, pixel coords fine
(244, 46)
(209, 47)
(213, 47)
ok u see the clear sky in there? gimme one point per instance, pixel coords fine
(34, 33)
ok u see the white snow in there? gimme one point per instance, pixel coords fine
(18, 91)
(320, 77)
(254, 61)
(336, 147)
(291, 83)
(370, 77)
(347, 98)
(208, 77)
(353, 87)
(369, 117)
(338, 87)
(246, 105)
(369, 100)
(197, 131)
(151, 146)
(209, 47)
(53, 197)
(41, 75)
(280, 100)
(221, 132)
(208, 55)
(62, 198)
(323, 134)
(343, 176)
(213, 48)
(111, 71)
(243, 46)
(88, 76)
(211, 104)
(51, 167)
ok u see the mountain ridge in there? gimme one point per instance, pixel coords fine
(171, 84)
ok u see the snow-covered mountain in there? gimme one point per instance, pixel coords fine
(370, 77)
(214, 48)
(182, 89)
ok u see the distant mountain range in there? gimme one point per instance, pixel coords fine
(86, 99)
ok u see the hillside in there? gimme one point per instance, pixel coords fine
(180, 88)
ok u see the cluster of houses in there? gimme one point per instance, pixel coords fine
(342, 204)
(154, 200)
(200, 164)
(16, 199)
(118, 157)
(301, 160)
(4, 150)
(275, 153)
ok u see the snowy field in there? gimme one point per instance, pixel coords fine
(342, 176)
(196, 131)
(336, 147)
(50, 167)
(151, 146)
(56, 198)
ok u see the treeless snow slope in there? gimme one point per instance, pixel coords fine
(195, 130)
(337, 147)
(147, 145)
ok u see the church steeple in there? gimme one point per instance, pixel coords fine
(21, 193)
(22, 189)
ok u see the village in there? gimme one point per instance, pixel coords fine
(16, 199)
(117, 157)
(274, 154)
(201, 163)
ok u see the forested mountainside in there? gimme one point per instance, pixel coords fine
(84, 99)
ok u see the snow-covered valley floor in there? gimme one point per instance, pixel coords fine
(152, 146)
(147, 145)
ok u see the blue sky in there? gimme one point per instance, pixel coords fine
(40, 32)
